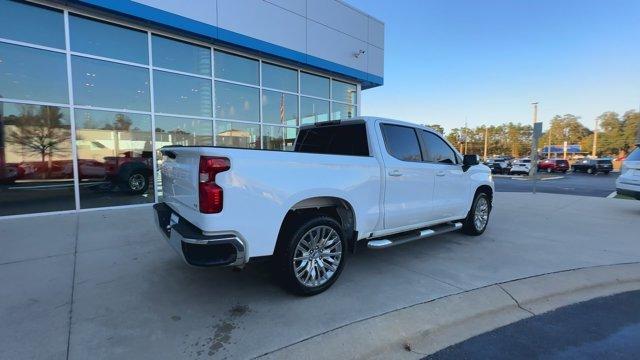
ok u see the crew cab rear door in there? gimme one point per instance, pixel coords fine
(409, 182)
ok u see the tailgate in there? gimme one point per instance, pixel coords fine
(179, 169)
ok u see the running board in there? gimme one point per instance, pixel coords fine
(413, 236)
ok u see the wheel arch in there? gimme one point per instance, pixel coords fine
(335, 207)
(486, 189)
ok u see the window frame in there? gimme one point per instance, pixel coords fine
(423, 146)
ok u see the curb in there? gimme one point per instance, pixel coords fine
(418, 330)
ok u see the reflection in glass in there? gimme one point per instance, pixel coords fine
(344, 92)
(235, 134)
(181, 56)
(32, 24)
(342, 111)
(273, 137)
(314, 85)
(171, 130)
(290, 135)
(115, 158)
(96, 37)
(278, 77)
(237, 102)
(313, 110)
(236, 68)
(107, 84)
(32, 74)
(36, 167)
(181, 94)
(279, 108)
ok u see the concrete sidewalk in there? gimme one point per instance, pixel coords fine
(104, 284)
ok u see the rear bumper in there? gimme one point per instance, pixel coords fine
(628, 187)
(195, 248)
(630, 193)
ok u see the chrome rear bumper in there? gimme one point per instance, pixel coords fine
(193, 246)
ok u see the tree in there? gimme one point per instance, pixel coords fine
(565, 128)
(42, 133)
(610, 140)
(630, 130)
(436, 127)
(122, 122)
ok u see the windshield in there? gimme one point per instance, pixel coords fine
(635, 155)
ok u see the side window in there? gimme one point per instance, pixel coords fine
(635, 155)
(437, 150)
(401, 142)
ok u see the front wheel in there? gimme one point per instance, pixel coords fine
(478, 217)
(590, 171)
(549, 170)
(311, 255)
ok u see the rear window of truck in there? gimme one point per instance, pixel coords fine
(339, 139)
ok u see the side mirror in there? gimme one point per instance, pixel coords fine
(470, 160)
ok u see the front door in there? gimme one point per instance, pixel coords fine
(450, 194)
(409, 182)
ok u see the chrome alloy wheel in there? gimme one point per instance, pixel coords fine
(136, 182)
(481, 213)
(317, 256)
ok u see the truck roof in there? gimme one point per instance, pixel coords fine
(366, 119)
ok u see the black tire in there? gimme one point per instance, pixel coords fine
(549, 171)
(590, 171)
(468, 225)
(287, 243)
(135, 182)
(606, 173)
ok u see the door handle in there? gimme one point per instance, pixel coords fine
(441, 173)
(395, 173)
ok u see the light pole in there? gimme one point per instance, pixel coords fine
(594, 151)
(466, 135)
(486, 142)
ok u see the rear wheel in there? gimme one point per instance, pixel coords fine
(549, 170)
(478, 217)
(311, 255)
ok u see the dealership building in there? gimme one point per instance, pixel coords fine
(91, 89)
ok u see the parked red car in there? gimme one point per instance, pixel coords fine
(553, 165)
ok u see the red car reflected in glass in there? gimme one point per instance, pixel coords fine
(554, 165)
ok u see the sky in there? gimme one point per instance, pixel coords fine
(488, 60)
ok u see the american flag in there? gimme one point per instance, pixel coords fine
(282, 108)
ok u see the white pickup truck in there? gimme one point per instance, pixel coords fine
(366, 181)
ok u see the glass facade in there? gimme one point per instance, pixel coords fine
(81, 121)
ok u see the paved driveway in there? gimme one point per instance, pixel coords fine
(599, 185)
(104, 285)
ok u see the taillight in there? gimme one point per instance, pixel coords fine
(210, 193)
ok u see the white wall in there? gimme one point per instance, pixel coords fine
(328, 29)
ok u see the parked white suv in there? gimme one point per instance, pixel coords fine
(368, 181)
(520, 167)
(628, 183)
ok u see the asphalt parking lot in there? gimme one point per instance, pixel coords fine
(105, 285)
(599, 185)
(603, 328)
